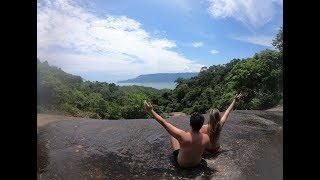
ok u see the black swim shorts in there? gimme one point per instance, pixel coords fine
(175, 153)
(175, 157)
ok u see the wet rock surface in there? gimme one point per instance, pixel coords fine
(77, 148)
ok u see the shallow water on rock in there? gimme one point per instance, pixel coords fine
(251, 148)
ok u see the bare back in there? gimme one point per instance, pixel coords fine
(192, 148)
(216, 142)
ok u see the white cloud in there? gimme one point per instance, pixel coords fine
(197, 44)
(253, 13)
(88, 43)
(213, 51)
(259, 40)
(163, 44)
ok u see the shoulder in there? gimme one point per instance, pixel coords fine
(204, 128)
(206, 137)
(186, 134)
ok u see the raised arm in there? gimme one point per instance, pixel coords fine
(226, 114)
(172, 130)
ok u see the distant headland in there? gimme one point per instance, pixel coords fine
(159, 77)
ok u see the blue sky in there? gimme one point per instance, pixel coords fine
(112, 40)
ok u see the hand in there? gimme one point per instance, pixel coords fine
(237, 98)
(147, 105)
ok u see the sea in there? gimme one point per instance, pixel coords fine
(160, 85)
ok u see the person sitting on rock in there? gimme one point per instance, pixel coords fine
(188, 147)
(214, 126)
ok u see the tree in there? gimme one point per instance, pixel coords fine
(95, 103)
(113, 111)
(179, 81)
(133, 106)
(204, 68)
(278, 41)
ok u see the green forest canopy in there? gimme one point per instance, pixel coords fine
(259, 78)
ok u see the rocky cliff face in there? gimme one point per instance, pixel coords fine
(76, 148)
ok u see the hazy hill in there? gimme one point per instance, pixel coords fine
(159, 77)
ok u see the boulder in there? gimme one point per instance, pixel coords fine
(78, 148)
